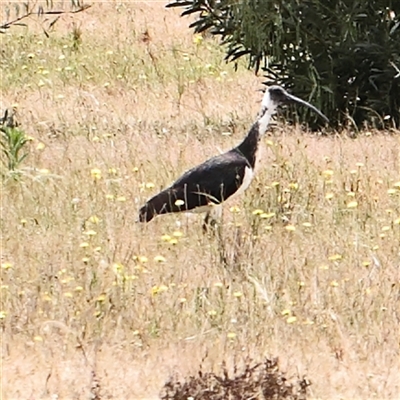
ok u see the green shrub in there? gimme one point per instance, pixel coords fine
(13, 144)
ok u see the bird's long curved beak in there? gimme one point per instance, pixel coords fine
(291, 98)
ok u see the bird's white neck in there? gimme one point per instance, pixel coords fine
(264, 119)
(249, 146)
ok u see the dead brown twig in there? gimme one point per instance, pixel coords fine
(40, 12)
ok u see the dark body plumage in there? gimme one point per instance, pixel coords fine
(223, 176)
(212, 182)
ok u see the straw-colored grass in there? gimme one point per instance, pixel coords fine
(92, 302)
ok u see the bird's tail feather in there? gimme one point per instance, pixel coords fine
(162, 203)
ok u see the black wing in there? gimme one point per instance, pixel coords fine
(209, 183)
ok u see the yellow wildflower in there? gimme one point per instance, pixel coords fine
(96, 173)
(258, 211)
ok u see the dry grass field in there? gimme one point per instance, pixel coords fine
(118, 102)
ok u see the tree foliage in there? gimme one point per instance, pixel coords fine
(342, 55)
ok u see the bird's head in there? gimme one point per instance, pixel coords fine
(275, 96)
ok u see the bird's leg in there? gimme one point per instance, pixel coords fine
(212, 218)
(221, 245)
(206, 222)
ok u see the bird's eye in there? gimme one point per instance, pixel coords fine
(277, 91)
